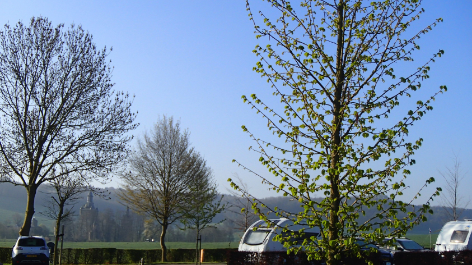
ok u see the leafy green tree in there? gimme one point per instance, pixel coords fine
(342, 134)
(58, 108)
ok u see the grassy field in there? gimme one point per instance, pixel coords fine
(424, 239)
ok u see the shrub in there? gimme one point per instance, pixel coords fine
(268, 258)
(5, 255)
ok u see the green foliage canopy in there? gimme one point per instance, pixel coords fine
(333, 70)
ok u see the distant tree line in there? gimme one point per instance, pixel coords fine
(112, 227)
(7, 230)
(120, 226)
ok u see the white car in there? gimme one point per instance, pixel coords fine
(30, 249)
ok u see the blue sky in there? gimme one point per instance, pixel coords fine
(192, 60)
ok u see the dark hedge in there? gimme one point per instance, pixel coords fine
(268, 258)
(127, 256)
(418, 258)
(233, 257)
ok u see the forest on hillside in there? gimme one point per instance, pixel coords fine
(115, 223)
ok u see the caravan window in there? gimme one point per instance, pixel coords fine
(255, 237)
(268, 224)
(459, 236)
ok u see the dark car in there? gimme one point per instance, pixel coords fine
(385, 256)
(403, 244)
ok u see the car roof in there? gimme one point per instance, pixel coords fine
(399, 239)
(22, 237)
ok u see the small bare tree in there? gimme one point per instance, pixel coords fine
(204, 205)
(241, 206)
(58, 107)
(67, 189)
(453, 202)
(162, 169)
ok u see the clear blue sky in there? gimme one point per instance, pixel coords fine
(193, 60)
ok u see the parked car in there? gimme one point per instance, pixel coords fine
(403, 244)
(30, 249)
(386, 256)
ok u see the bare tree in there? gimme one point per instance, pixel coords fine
(162, 169)
(67, 192)
(204, 204)
(453, 201)
(58, 107)
(242, 205)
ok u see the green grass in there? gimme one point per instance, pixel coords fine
(424, 239)
(7, 242)
(135, 245)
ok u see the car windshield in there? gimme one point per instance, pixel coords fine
(31, 242)
(364, 245)
(255, 237)
(459, 236)
(410, 245)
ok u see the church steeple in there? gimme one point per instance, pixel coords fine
(89, 218)
(89, 203)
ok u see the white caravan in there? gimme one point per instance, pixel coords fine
(260, 239)
(455, 236)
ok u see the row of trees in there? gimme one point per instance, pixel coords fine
(9, 231)
(113, 224)
(166, 180)
(63, 124)
(332, 68)
(122, 226)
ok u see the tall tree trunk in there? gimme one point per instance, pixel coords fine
(335, 199)
(196, 247)
(57, 230)
(31, 193)
(163, 244)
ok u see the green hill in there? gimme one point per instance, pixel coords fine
(13, 202)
